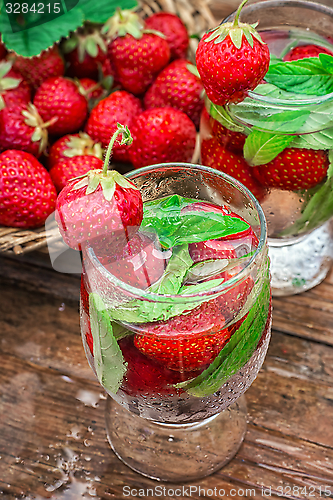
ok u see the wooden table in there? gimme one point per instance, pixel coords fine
(52, 434)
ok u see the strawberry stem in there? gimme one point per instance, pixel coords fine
(126, 139)
(238, 12)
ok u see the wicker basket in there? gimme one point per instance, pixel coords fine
(198, 18)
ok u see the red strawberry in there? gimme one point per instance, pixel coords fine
(137, 56)
(293, 169)
(179, 87)
(92, 89)
(37, 69)
(231, 60)
(84, 54)
(175, 31)
(84, 296)
(162, 135)
(120, 106)
(137, 262)
(187, 342)
(21, 127)
(13, 89)
(27, 194)
(231, 140)
(211, 249)
(302, 51)
(145, 377)
(60, 98)
(216, 156)
(61, 173)
(100, 203)
(69, 146)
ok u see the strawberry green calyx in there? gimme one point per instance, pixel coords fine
(33, 119)
(123, 22)
(235, 30)
(82, 145)
(6, 82)
(108, 178)
(85, 43)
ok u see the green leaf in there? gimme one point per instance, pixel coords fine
(305, 76)
(176, 227)
(220, 114)
(322, 139)
(173, 276)
(108, 359)
(237, 352)
(30, 34)
(262, 147)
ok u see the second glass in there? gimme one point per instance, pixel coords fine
(298, 207)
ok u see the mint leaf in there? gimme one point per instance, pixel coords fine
(262, 147)
(173, 227)
(30, 33)
(327, 62)
(237, 352)
(173, 276)
(305, 76)
(144, 311)
(317, 140)
(108, 359)
(220, 114)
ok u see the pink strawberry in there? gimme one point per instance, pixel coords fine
(100, 203)
(162, 135)
(302, 51)
(37, 69)
(216, 156)
(60, 98)
(294, 169)
(14, 90)
(231, 60)
(68, 146)
(27, 194)
(177, 86)
(137, 56)
(84, 54)
(137, 261)
(175, 31)
(61, 173)
(120, 106)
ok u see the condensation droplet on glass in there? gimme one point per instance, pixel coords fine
(62, 307)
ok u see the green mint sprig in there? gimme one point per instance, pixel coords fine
(174, 226)
(237, 352)
(311, 75)
(109, 362)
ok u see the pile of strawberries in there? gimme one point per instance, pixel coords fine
(58, 110)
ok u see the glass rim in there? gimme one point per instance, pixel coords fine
(174, 298)
(257, 6)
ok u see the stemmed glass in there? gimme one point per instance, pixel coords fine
(300, 235)
(176, 365)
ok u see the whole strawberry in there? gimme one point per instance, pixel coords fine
(231, 60)
(60, 98)
(179, 86)
(84, 54)
(61, 173)
(37, 69)
(137, 55)
(14, 90)
(120, 106)
(98, 204)
(174, 30)
(294, 169)
(302, 51)
(216, 156)
(27, 193)
(162, 135)
(21, 127)
(68, 146)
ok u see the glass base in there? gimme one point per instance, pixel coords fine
(176, 452)
(303, 263)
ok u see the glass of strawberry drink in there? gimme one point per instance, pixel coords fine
(278, 139)
(176, 318)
